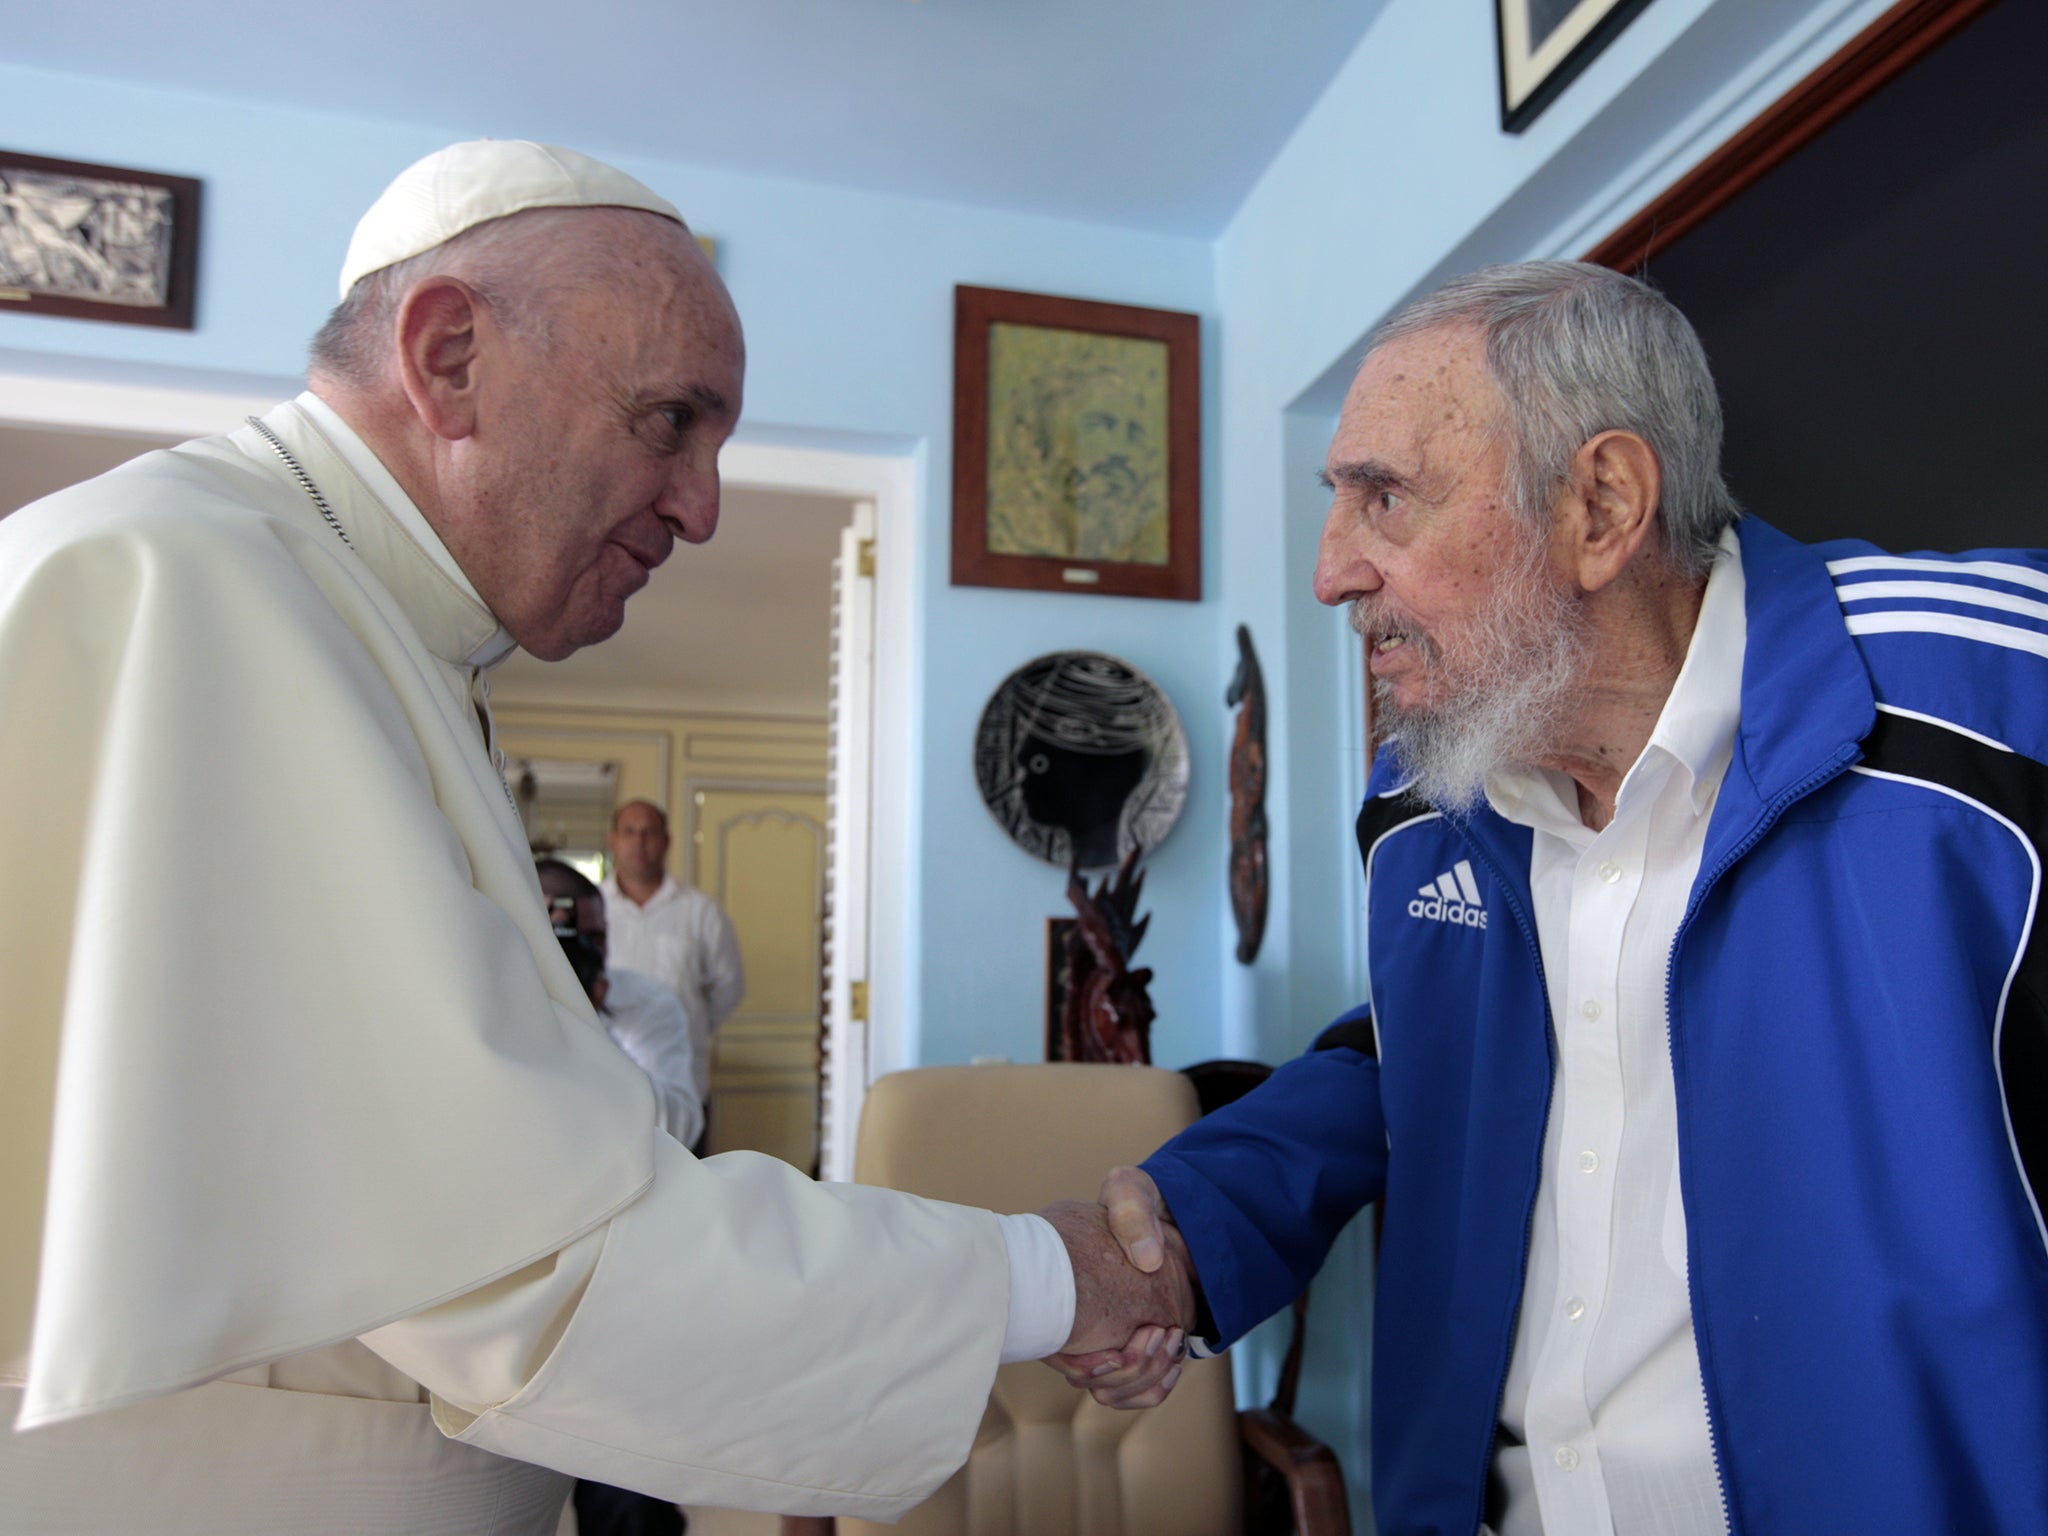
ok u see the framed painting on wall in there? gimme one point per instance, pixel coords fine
(1077, 455)
(97, 242)
(1544, 44)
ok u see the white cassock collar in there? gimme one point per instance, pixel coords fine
(382, 484)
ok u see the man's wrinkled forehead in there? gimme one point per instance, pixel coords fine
(1416, 399)
(694, 349)
(1444, 365)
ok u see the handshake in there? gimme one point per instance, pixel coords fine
(1134, 1293)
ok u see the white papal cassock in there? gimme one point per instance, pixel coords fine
(292, 1059)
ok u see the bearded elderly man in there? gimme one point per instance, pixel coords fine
(323, 1181)
(1702, 1070)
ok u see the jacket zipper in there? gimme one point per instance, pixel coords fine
(1526, 925)
(1772, 811)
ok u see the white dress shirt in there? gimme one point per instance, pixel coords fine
(684, 940)
(648, 1024)
(1603, 1418)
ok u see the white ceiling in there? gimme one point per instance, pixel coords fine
(742, 623)
(1153, 113)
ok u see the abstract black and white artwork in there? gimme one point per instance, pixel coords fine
(1080, 758)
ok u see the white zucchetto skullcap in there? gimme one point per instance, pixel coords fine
(467, 184)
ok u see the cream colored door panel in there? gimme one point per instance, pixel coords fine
(760, 850)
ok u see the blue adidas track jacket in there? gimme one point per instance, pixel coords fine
(1859, 1035)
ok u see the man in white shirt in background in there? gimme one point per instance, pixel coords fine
(639, 1013)
(673, 932)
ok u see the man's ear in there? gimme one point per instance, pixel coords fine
(1609, 508)
(439, 349)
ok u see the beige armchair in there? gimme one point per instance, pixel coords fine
(1049, 1461)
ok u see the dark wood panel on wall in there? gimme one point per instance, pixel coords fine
(1887, 48)
(1865, 265)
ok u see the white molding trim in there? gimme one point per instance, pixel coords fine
(81, 405)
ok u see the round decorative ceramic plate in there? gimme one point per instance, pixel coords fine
(1080, 755)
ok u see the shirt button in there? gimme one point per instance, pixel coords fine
(1566, 1457)
(1589, 1161)
(1590, 1010)
(1575, 1309)
(1610, 871)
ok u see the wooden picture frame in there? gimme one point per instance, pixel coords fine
(97, 242)
(1545, 45)
(1077, 451)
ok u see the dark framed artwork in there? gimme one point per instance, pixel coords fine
(1544, 44)
(97, 242)
(1077, 451)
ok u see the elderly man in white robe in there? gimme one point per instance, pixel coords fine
(322, 1181)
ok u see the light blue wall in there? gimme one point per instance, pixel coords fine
(848, 304)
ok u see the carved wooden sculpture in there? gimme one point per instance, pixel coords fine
(1108, 1013)
(1248, 799)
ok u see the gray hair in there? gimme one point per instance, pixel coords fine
(513, 263)
(1576, 350)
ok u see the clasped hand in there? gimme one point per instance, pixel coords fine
(1134, 1293)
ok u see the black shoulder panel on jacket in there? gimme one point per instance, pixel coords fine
(2017, 788)
(1353, 1034)
(1381, 814)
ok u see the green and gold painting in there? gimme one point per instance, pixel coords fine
(1077, 445)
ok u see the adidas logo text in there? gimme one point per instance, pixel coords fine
(1453, 897)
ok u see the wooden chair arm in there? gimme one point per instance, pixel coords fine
(1314, 1480)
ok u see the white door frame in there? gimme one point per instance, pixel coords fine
(888, 480)
(82, 405)
(843, 1077)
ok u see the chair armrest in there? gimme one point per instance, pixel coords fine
(809, 1525)
(1315, 1482)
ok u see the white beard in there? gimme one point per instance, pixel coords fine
(1504, 685)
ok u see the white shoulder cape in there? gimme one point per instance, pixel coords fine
(289, 1049)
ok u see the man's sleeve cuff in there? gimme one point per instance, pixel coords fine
(1041, 1289)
